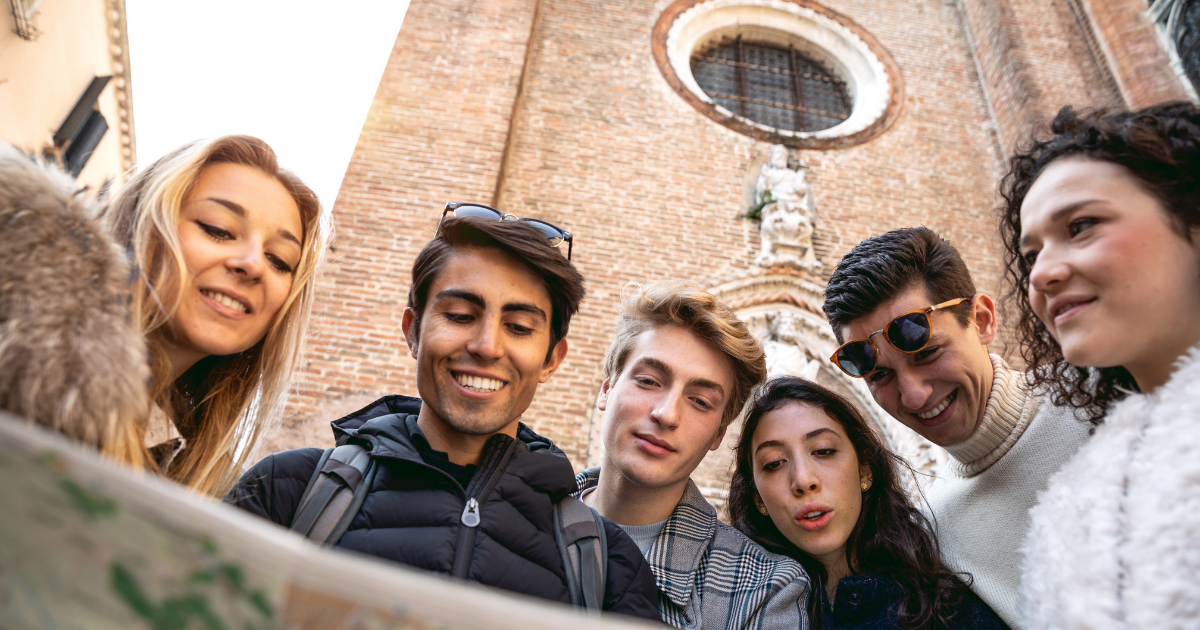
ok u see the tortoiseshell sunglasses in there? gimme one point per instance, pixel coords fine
(907, 333)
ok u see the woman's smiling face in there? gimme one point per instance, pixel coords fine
(809, 479)
(1112, 279)
(240, 234)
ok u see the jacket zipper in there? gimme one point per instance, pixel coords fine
(471, 517)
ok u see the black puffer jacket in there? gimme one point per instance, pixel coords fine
(413, 511)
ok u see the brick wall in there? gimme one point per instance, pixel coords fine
(649, 186)
(652, 187)
(1034, 58)
(1133, 50)
(435, 132)
(1037, 55)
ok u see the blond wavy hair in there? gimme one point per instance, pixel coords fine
(229, 400)
(649, 305)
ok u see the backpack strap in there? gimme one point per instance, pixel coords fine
(583, 545)
(336, 491)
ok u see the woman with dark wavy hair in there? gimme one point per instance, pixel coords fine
(813, 481)
(1102, 234)
(1150, 155)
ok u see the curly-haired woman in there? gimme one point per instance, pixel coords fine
(813, 481)
(1101, 227)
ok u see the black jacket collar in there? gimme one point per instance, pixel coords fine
(388, 427)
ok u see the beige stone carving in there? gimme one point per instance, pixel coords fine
(789, 218)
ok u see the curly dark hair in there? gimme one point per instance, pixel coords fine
(1160, 146)
(892, 536)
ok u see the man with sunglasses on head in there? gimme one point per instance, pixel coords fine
(911, 324)
(456, 484)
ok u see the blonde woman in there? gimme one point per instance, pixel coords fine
(224, 245)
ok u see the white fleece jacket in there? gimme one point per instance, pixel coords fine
(1114, 541)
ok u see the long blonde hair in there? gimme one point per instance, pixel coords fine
(229, 400)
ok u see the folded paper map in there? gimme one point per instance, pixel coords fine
(88, 544)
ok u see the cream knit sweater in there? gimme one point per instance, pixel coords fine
(981, 503)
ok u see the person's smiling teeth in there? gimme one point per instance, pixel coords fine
(938, 409)
(812, 516)
(226, 300)
(478, 383)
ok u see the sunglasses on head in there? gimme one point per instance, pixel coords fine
(907, 333)
(555, 235)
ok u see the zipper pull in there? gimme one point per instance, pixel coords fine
(470, 516)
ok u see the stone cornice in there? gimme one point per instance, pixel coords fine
(118, 47)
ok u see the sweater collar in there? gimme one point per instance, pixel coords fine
(1004, 420)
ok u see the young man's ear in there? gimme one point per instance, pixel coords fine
(602, 397)
(716, 443)
(556, 358)
(983, 313)
(411, 329)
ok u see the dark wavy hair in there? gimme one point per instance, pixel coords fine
(882, 267)
(1160, 146)
(892, 536)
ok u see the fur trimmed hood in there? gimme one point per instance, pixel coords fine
(1114, 541)
(71, 357)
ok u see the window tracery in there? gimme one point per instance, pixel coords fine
(776, 86)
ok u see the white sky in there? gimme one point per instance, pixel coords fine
(299, 74)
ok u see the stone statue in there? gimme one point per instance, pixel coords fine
(789, 216)
(787, 354)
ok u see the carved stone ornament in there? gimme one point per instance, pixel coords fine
(788, 216)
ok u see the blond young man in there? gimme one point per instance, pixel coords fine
(678, 372)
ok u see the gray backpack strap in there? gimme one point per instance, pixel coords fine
(338, 487)
(583, 545)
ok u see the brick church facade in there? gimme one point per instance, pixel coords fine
(587, 114)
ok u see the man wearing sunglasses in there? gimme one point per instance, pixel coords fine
(456, 483)
(911, 324)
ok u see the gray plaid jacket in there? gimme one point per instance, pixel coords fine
(711, 576)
